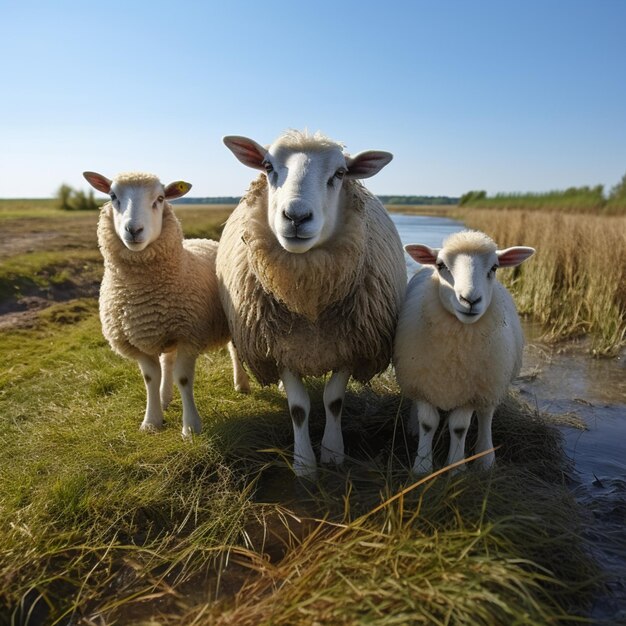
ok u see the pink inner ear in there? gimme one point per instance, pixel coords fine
(422, 254)
(510, 257)
(246, 151)
(98, 181)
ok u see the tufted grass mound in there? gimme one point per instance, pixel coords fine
(101, 523)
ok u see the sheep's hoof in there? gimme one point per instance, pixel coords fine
(302, 470)
(242, 387)
(149, 427)
(422, 465)
(331, 457)
(486, 462)
(189, 431)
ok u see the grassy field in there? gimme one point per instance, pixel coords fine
(103, 524)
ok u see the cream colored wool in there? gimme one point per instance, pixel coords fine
(153, 300)
(332, 308)
(447, 363)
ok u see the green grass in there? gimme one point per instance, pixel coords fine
(98, 518)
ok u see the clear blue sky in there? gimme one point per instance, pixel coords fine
(500, 95)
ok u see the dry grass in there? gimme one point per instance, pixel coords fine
(575, 285)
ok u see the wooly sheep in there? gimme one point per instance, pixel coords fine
(312, 275)
(459, 341)
(159, 300)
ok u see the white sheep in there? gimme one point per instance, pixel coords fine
(159, 300)
(459, 341)
(312, 275)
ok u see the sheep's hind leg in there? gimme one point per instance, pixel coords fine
(167, 378)
(151, 370)
(304, 464)
(413, 425)
(484, 441)
(184, 372)
(428, 420)
(458, 422)
(332, 441)
(240, 376)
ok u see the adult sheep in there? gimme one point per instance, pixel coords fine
(158, 302)
(312, 275)
(459, 341)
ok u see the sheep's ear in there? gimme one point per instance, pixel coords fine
(98, 181)
(366, 164)
(177, 189)
(422, 254)
(248, 151)
(510, 257)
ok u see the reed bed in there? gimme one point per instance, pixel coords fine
(575, 285)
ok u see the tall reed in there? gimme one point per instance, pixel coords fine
(576, 283)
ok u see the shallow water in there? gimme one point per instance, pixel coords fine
(565, 379)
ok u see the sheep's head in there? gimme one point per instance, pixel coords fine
(137, 200)
(305, 174)
(466, 267)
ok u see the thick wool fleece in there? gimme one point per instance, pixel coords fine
(162, 297)
(333, 307)
(447, 363)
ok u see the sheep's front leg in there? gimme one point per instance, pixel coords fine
(184, 372)
(484, 441)
(167, 378)
(332, 441)
(151, 370)
(428, 420)
(458, 422)
(240, 376)
(304, 464)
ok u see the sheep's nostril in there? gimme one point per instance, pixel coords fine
(134, 231)
(469, 300)
(297, 218)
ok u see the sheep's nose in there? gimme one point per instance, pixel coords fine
(134, 230)
(297, 214)
(468, 300)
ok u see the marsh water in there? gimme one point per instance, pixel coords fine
(564, 379)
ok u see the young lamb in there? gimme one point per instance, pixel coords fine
(312, 275)
(159, 298)
(459, 341)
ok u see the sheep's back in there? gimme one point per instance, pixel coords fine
(450, 364)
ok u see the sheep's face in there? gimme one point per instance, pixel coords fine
(466, 283)
(305, 175)
(466, 277)
(137, 202)
(303, 199)
(137, 213)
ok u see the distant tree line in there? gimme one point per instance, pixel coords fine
(572, 200)
(211, 200)
(419, 200)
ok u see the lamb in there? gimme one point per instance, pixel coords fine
(158, 299)
(311, 274)
(459, 342)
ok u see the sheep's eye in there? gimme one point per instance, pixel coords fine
(441, 266)
(113, 197)
(160, 199)
(269, 168)
(493, 269)
(339, 174)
